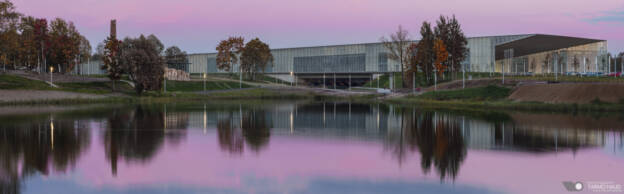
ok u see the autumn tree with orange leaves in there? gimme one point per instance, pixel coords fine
(228, 52)
(441, 56)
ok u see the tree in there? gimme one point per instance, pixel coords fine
(456, 44)
(441, 56)
(175, 56)
(99, 51)
(228, 52)
(28, 45)
(412, 64)
(157, 43)
(41, 38)
(397, 46)
(449, 31)
(425, 55)
(142, 61)
(111, 59)
(85, 49)
(255, 57)
(64, 44)
(441, 32)
(9, 19)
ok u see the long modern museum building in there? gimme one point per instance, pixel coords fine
(514, 54)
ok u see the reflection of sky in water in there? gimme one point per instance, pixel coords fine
(254, 185)
(315, 150)
(614, 144)
(310, 165)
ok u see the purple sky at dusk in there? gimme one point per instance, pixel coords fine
(198, 25)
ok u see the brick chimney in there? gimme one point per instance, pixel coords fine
(113, 28)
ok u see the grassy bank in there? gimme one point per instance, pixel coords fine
(156, 97)
(196, 86)
(495, 97)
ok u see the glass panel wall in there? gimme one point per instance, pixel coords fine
(588, 58)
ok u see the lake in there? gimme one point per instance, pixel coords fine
(304, 147)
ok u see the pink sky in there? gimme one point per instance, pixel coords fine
(198, 25)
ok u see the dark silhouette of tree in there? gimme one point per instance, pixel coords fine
(141, 60)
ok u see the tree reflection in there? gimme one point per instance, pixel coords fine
(438, 140)
(39, 147)
(230, 139)
(254, 128)
(137, 135)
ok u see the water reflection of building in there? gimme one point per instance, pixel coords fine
(480, 134)
(378, 121)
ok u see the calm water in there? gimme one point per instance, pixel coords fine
(297, 147)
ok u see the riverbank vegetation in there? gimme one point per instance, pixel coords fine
(35, 44)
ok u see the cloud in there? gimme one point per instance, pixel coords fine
(610, 16)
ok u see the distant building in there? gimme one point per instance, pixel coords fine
(517, 54)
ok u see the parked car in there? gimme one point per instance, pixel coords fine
(572, 73)
(615, 74)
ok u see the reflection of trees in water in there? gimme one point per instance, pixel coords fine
(26, 149)
(137, 135)
(230, 139)
(255, 129)
(438, 140)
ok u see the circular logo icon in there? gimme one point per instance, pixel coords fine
(578, 186)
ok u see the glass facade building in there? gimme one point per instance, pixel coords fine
(527, 53)
(543, 54)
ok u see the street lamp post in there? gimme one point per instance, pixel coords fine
(51, 70)
(414, 82)
(204, 82)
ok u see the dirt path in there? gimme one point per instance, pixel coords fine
(34, 95)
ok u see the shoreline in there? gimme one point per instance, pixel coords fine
(303, 94)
